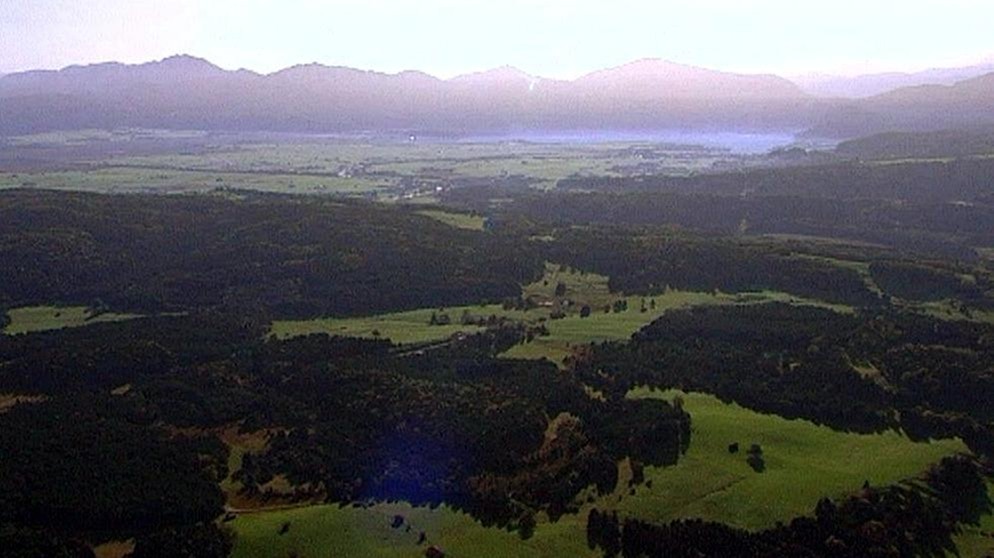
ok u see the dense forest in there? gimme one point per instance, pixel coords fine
(348, 420)
(648, 261)
(270, 254)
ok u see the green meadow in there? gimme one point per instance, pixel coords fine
(414, 326)
(564, 333)
(43, 318)
(399, 327)
(573, 330)
(172, 181)
(457, 220)
(329, 530)
(581, 289)
(804, 462)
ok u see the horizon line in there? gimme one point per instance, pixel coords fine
(793, 75)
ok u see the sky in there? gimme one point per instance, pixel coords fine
(549, 38)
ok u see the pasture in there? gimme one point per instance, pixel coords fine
(413, 326)
(564, 333)
(804, 462)
(458, 220)
(330, 530)
(43, 318)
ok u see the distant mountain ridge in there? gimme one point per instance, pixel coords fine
(868, 85)
(967, 104)
(185, 92)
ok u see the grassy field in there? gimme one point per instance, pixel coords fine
(42, 318)
(170, 181)
(399, 327)
(414, 326)
(366, 532)
(804, 463)
(564, 334)
(9, 400)
(114, 549)
(458, 220)
(602, 326)
(80, 137)
(948, 310)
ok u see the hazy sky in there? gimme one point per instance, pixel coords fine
(545, 37)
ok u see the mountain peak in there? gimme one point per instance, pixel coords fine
(183, 62)
(501, 73)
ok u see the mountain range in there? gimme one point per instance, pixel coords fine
(184, 92)
(868, 85)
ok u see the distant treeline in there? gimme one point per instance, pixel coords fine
(921, 145)
(960, 179)
(934, 209)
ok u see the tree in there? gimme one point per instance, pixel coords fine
(755, 458)
(560, 289)
(205, 540)
(593, 529)
(585, 311)
(526, 525)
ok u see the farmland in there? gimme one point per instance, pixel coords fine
(389, 170)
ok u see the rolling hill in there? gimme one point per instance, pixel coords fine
(966, 104)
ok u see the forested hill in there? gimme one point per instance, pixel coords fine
(973, 141)
(248, 253)
(964, 104)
